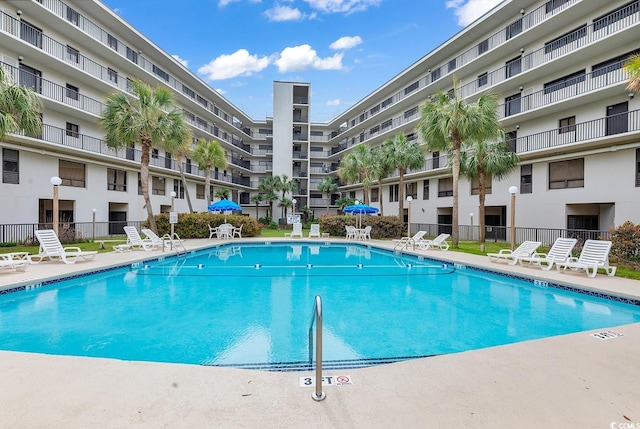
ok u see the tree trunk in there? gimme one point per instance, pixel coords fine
(455, 234)
(481, 199)
(207, 185)
(144, 182)
(184, 184)
(380, 196)
(401, 194)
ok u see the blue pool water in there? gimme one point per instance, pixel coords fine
(251, 305)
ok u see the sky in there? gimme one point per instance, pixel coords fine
(345, 49)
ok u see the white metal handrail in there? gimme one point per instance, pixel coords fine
(318, 394)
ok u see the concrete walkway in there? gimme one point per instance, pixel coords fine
(575, 381)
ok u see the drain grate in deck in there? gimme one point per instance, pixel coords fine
(606, 335)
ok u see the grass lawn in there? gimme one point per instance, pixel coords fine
(472, 247)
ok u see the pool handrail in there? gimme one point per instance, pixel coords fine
(318, 394)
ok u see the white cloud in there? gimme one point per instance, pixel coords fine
(220, 91)
(223, 3)
(335, 102)
(468, 11)
(346, 42)
(342, 6)
(283, 13)
(181, 61)
(304, 57)
(240, 63)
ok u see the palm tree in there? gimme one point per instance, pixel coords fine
(150, 119)
(328, 186)
(632, 67)
(256, 200)
(222, 193)
(268, 188)
(181, 147)
(20, 108)
(403, 154)
(483, 159)
(209, 155)
(446, 123)
(381, 168)
(355, 167)
(285, 203)
(285, 185)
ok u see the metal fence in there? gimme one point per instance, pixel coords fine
(67, 231)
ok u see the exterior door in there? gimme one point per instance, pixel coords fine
(617, 118)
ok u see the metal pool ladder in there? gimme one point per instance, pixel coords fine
(318, 394)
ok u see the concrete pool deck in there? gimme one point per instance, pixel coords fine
(572, 380)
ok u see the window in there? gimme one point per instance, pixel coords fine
(589, 222)
(412, 190)
(72, 91)
(567, 125)
(113, 75)
(374, 110)
(483, 46)
(411, 112)
(163, 74)
(72, 130)
(112, 42)
(157, 186)
(154, 153)
(610, 65)
(411, 88)
(554, 4)
(435, 75)
(616, 15)
(202, 101)
(637, 167)
(564, 82)
(72, 173)
(31, 34)
(475, 185)
(511, 139)
(31, 78)
(139, 184)
(387, 102)
(514, 29)
(445, 187)
(393, 193)
(116, 180)
(178, 188)
(374, 130)
(482, 79)
(435, 159)
(132, 55)
(374, 195)
(386, 124)
(72, 16)
(10, 166)
(513, 67)
(526, 179)
(73, 55)
(512, 105)
(565, 39)
(199, 191)
(425, 189)
(452, 65)
(129, 85)
(190, 92)
(566, 174)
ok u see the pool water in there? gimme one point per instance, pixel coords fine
(251, 305)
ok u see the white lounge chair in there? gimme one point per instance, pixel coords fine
(212, 231)
(440, 242)
(297, 230)
(152, 237)
(51, 248)
(559, 252)
(406, 241)
(6, 261)
(527, 248)
(594, 255)
(134, 240)
(315, 230)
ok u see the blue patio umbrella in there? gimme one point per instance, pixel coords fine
(224, 206)
(360, 209)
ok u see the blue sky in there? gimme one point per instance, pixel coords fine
(344, 48)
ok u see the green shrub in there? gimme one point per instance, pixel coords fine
(9, 244)
(626, 242)
(381, 226)
(196, 225)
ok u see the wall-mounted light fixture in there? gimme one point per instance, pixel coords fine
(18, 12)
(630, 95)
(20, 58)
(522, 50)
(517, 127)
(428, 70)
(521, 11)
(521, 88)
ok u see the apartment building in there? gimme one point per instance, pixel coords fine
(556, 66)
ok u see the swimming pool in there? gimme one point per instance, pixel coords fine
(250, 305)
